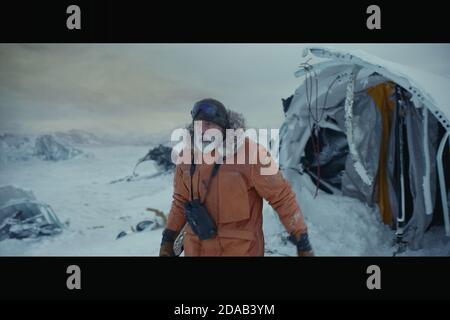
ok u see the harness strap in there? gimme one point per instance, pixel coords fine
(213, 174)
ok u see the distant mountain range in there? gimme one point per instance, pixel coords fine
(62, 145)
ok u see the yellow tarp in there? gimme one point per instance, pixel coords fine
(381, 94)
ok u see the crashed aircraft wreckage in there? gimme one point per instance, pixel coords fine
(371, 129)
(22, 216)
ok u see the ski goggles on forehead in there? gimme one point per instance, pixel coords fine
(206, 108)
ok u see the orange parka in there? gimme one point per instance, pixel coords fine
(234, 201)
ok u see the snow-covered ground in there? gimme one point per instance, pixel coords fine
(80, 191)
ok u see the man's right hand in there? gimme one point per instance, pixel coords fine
(306, 253)
(166, 249)
(168, 239)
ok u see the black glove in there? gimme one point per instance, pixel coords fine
(168, 239)
(304, 248)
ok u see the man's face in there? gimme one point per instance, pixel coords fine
(204, 142)
(209, 125)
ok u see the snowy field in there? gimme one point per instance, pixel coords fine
(81, 193)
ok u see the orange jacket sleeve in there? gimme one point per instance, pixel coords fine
(176, 219)
(278, 192)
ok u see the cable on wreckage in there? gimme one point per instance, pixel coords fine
(314, 119)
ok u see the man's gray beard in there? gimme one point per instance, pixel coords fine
(204, 145)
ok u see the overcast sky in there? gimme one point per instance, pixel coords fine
(148, 88)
